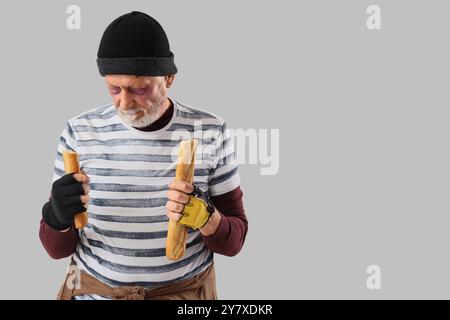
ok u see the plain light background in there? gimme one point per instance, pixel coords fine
(363, 118)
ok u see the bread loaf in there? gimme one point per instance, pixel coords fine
(177, 233)
(72, 165)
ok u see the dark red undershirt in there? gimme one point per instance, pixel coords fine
(227, 240)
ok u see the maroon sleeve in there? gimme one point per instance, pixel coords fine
(58, 244)
(230, 235)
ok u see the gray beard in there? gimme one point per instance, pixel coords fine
(145, 120)
(142, 122)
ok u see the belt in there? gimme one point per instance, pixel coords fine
(200, 287)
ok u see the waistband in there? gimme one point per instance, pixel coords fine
(200, 287)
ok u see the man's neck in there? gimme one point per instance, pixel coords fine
(164, 118)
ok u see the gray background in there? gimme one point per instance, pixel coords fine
(363, 119)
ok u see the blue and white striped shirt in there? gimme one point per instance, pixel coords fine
(129, 170)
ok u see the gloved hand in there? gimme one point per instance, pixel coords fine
(188, 205)
(69, 197)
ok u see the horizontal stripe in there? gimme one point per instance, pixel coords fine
(190, 115)
(141, 262)
(127, 141)
(108, 128)
(131, 235)
(95, 111)
(141, 269)
(173, 142)
(196, 111)
(95, 115)
(116, 187)
(121, 127)
(128, 157)
(139, 173)
(157, 252)
(192, 128)
(129, 227)
(161, 158)
(129, 219)
(128, 235)
(87, 233)
(136, 173)
(148, 173)
(223, 177)
(229, 159)
(129, 203)
(96, 123)
(145, 284)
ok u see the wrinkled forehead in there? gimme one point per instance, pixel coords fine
(130, 81)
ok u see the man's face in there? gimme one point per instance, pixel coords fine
(139, 100)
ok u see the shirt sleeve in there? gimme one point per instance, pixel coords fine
(230, 236)
(224, 176)
(58, 244)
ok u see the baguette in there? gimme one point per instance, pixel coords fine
(177, 233)
(72, 165)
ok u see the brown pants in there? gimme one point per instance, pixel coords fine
(199, 287)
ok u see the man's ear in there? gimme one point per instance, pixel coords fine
(169, 80)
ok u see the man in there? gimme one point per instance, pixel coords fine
(126, 152)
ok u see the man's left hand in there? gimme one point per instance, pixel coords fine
(178, 196)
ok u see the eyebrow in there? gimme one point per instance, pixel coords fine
(128, 87)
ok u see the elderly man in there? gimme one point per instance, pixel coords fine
(126, 181)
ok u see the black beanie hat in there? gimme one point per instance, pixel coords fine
(135, 44)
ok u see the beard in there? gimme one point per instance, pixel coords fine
(150, 115)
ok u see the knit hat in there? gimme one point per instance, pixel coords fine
(135, 44)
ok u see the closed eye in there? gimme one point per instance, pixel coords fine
(138, 91)
(114, 89)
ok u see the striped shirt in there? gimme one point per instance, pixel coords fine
(129, 170)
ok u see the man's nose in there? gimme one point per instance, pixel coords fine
(126, 101)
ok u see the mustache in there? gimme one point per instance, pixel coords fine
(131, 111)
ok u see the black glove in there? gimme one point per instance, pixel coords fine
(64, 203)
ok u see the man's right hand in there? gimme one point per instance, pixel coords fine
(69, 196)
